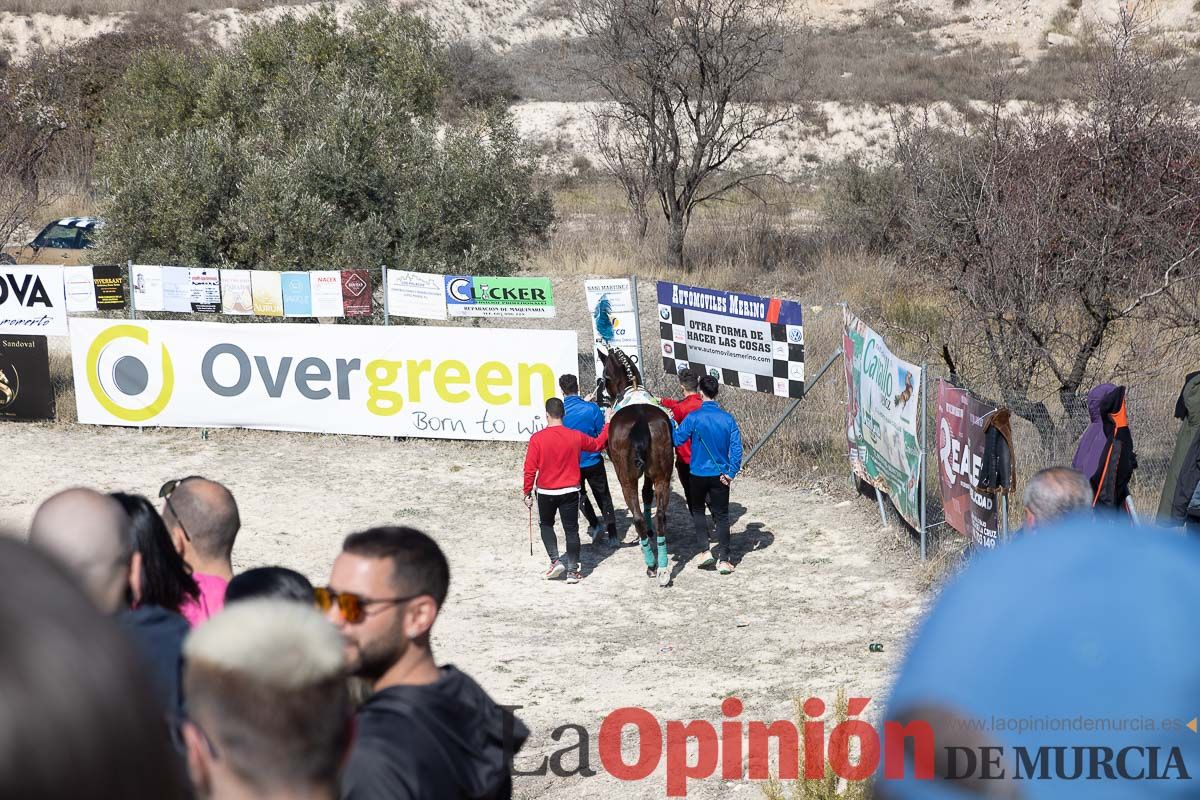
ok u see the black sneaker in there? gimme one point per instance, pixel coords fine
(574, 576)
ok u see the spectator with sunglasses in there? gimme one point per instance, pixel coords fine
(203, 520)
(427, 732)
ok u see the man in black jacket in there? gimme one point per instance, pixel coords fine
(427, 732)
(89, 533)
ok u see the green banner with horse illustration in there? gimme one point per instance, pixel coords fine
(882, 409)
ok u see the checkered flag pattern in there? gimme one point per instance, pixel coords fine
(787, 357)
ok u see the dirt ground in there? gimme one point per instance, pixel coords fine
(818, 579)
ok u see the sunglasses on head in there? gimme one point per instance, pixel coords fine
(165, 491)
(353, 607)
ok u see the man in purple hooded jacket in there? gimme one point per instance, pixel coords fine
(1105, 453)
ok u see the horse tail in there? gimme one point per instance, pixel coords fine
(640, 436)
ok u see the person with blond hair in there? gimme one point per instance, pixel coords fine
(269, 711)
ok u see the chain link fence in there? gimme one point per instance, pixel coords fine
(1150, 405)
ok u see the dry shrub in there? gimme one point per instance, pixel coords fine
(829, 786)
(63, 384)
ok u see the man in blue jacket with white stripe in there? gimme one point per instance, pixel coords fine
(588, 418)
(716, 459)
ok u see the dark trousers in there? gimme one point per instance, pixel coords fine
(596, 478)
(567, 506)
(685, 480)
(710, 491)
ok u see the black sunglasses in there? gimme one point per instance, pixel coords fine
(165, 491)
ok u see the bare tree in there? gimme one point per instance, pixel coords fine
(625, 152)
(1065, 236)
(689, 85)
(31, 120)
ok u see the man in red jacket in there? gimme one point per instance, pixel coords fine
(688, 384)
(553, 459)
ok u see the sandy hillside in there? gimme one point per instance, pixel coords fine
(816, 582)
(504, 23)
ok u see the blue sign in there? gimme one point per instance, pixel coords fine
(297, 294)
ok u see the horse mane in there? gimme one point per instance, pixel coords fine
(626, 363)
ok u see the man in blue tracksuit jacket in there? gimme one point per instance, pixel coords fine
(716, 459)
(588, 418)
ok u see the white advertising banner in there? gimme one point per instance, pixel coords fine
(32, 301)
(146, 281)
(883, 405)
(327, 293)
(80, 289)
(421, 295)
(206, 290)
(464, 383)
(613, 309)
(236, 297)
(753, 343)
(176, 290)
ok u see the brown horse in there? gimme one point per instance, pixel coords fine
(639, 444)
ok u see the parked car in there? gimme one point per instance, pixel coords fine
(64, 241)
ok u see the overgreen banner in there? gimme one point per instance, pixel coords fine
(882, 408)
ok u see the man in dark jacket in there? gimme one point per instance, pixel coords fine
(1183, 474)
(89, 533)
(427, 732)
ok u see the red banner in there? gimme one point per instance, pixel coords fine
(962, 421)
(356, 292)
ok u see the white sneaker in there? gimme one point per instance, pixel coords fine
(556, 570)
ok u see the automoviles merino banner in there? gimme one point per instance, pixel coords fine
(754, 343)
(464, 383)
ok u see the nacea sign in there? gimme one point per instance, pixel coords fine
(396, 381)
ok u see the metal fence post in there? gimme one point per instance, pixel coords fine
(882, 511)
(924, 450)
(1004, 518)
(132, 293)
(386, 309)
(637, 325)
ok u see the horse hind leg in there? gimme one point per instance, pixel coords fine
(629, 490)
(662, 497)
(647, 503)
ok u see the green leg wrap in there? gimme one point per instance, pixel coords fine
(647, 552)
(662, 552)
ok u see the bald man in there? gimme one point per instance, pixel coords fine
(89, 533)
(203, 519)
(86, 531)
